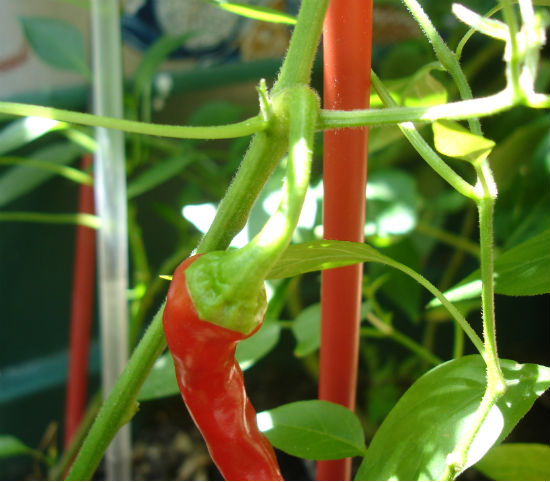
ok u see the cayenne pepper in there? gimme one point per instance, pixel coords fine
(212, 386)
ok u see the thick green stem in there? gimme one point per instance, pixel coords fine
(299, 58)
(120, 405)
(263, 155)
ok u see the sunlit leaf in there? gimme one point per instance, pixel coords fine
(424, 427)
(314, 429)
(453, 140)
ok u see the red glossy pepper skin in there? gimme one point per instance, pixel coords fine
(212, 386)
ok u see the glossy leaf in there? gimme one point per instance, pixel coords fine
(516, 461)
(523, 270)
(307, 330)
(425, 425)
(453, 140)
(314, 429)
(11, 446)
(57, 43)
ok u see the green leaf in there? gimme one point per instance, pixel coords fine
(249, 351)
(255, 12)
(314, 430)
(11, 446)
(19, 180)
(57, 43)
(425, 425)
(453, 140)
(161, 381)
(158, 174)
(523, 270)
(307, 330)
(516, 461)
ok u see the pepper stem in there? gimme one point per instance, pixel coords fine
(227, 288)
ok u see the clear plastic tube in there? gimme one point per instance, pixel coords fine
(110, 195)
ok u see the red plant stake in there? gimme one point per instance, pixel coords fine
(347, 45)
(81, 314)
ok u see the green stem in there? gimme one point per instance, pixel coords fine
(299, 58)
(445, 55)
(485, 209)
(458, 242)
(403, 340)
(67, 172)
(263, 155)
(235, 280)
(88, 220)
(513, 59)
(238, 129)
(121, 404)
(423, 148)
(465, 109)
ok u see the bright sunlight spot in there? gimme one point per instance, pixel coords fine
(202, 215)
(264, 421)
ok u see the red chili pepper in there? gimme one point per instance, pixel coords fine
(212, 386)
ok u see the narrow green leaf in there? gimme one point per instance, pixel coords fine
(255, 12)
(426, 424)
(11, 446)
(453, 140)
(307, 330)
(523, 270)
(516, 461)
(314, 430)
(19, 180)
(57, 43)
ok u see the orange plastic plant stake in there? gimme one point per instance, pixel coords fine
(347, 43)
(81, 314)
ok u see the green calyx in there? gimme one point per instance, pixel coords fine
(223, 295)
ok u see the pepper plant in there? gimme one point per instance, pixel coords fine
(453, 414)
